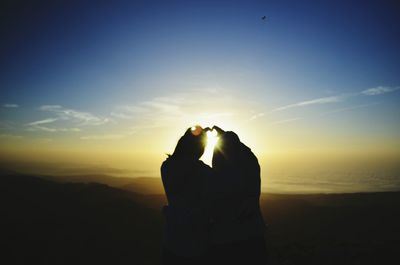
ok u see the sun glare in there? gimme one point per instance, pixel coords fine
(212, 141)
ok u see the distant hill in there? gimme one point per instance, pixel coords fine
(90, 178)
(45, 222)
(359, 228)
(48, 222)
(143, 185)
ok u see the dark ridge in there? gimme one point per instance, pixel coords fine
(44, 222)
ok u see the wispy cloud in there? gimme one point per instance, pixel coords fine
(194, 106)
(317, 101)
(256, 116)
(332, 100)
(50, 129)
(103, 137)
(10, 136)
(10, 105)
(349, 108)
(79, 117)
(285, 121)
(379, 90)
(169, 105)
(45, 121)
(65, 120)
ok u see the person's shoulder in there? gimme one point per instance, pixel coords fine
(203, 167)
(167, 163)
(201, 164)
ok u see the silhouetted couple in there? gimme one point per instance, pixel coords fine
(213, 214)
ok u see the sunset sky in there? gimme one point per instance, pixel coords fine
(313, 90)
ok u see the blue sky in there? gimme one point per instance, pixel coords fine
(107, 70)
(80, 52)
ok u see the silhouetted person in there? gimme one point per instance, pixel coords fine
(237, 228)
(185, 180)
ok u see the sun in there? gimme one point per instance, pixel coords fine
(212, 141)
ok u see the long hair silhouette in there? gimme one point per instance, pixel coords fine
(185, 179)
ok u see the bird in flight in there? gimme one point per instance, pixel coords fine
(264, 18)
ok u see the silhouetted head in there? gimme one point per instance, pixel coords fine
(227, 151)
(191, 144)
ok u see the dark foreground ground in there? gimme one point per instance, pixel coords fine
(47, 222)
